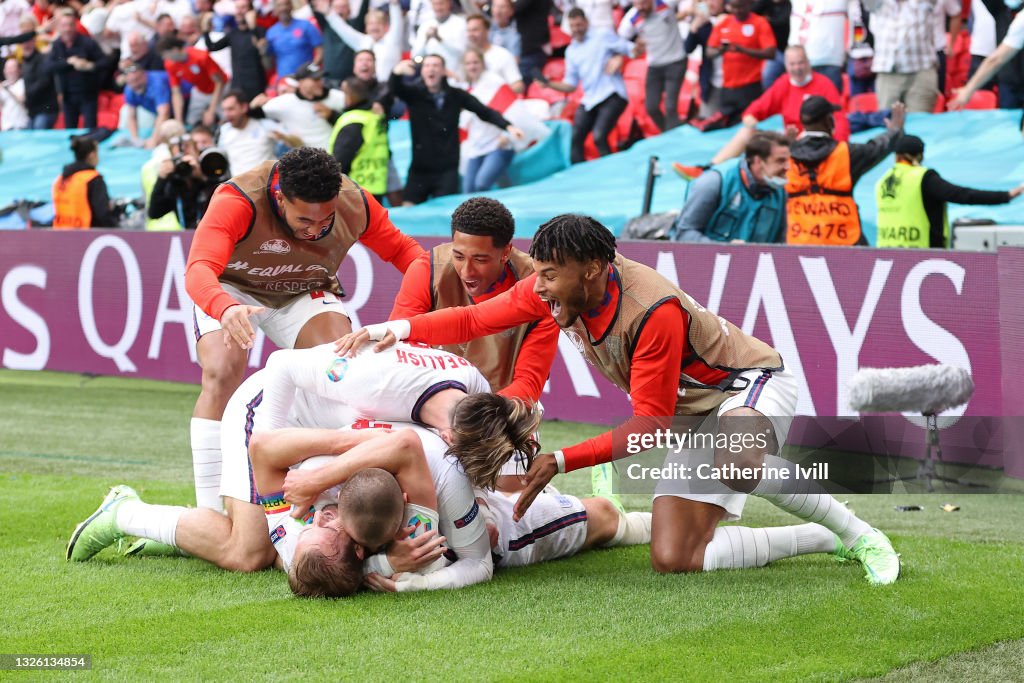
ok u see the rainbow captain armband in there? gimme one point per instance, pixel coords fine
(275, 504)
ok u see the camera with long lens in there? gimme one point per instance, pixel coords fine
(182, 169)
(213, 162)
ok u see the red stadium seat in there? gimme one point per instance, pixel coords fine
(107, 119)
(114, 102)
(554, 70)
(983, 99)
(559, 38)
(865, 102)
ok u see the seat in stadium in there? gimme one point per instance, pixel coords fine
(559, 38)
(866, 102)
(554, 70)
(983, 99)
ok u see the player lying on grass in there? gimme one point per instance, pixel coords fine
(557, 526)
(415, 382)
(238, 541)
(674, 358)
(418, 461)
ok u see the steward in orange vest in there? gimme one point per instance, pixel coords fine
(823, 172)
(80, 199)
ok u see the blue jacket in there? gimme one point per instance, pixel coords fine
(734, 212)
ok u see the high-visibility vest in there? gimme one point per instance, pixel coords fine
(71, 201)
(820, 206)
(902, 218)
(370, 165)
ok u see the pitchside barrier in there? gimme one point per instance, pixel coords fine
(114, 303)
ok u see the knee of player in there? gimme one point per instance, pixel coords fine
(602, 520)
(676, 560)
(222, 376)
(247, 563)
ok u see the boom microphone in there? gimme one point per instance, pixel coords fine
(925, 389)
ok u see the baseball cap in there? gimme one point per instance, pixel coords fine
(308, 70)
(910, 144)
(815, 108)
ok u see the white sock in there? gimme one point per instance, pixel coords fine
(823, 509)
(737, 547)
(206, 462)
(810, 505)
(634, 529)
(814, 538)
(155, 522)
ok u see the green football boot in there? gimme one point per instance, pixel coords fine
(603, 484)
(880, 561)
(99, 530)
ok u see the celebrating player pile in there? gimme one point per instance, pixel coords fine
(395, 467)
(673, 357)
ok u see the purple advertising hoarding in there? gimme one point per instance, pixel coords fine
(114, 303)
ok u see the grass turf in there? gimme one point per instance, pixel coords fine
(66, 439)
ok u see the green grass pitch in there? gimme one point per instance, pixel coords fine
(956, 614)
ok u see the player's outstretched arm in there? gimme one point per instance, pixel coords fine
(273, 452)
(456, 325)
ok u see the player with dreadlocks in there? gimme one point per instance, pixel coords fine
(674, 358)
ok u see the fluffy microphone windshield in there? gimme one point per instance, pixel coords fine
(925, 389)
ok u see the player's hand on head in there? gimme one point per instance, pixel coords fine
(301, 491)
(412, 554)
(542, 471)
(237, 327)
(380, 584)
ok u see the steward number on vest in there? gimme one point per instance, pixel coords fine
(824, 231)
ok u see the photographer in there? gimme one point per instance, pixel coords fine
(187, 179)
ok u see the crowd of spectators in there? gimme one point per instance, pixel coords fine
(268, 75)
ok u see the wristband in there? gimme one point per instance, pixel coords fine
(378, 563)
(399, 328)
(560, 461)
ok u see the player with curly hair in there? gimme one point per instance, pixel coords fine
(267, 253)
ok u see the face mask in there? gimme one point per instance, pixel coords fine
(776, 182)
(800, 84)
